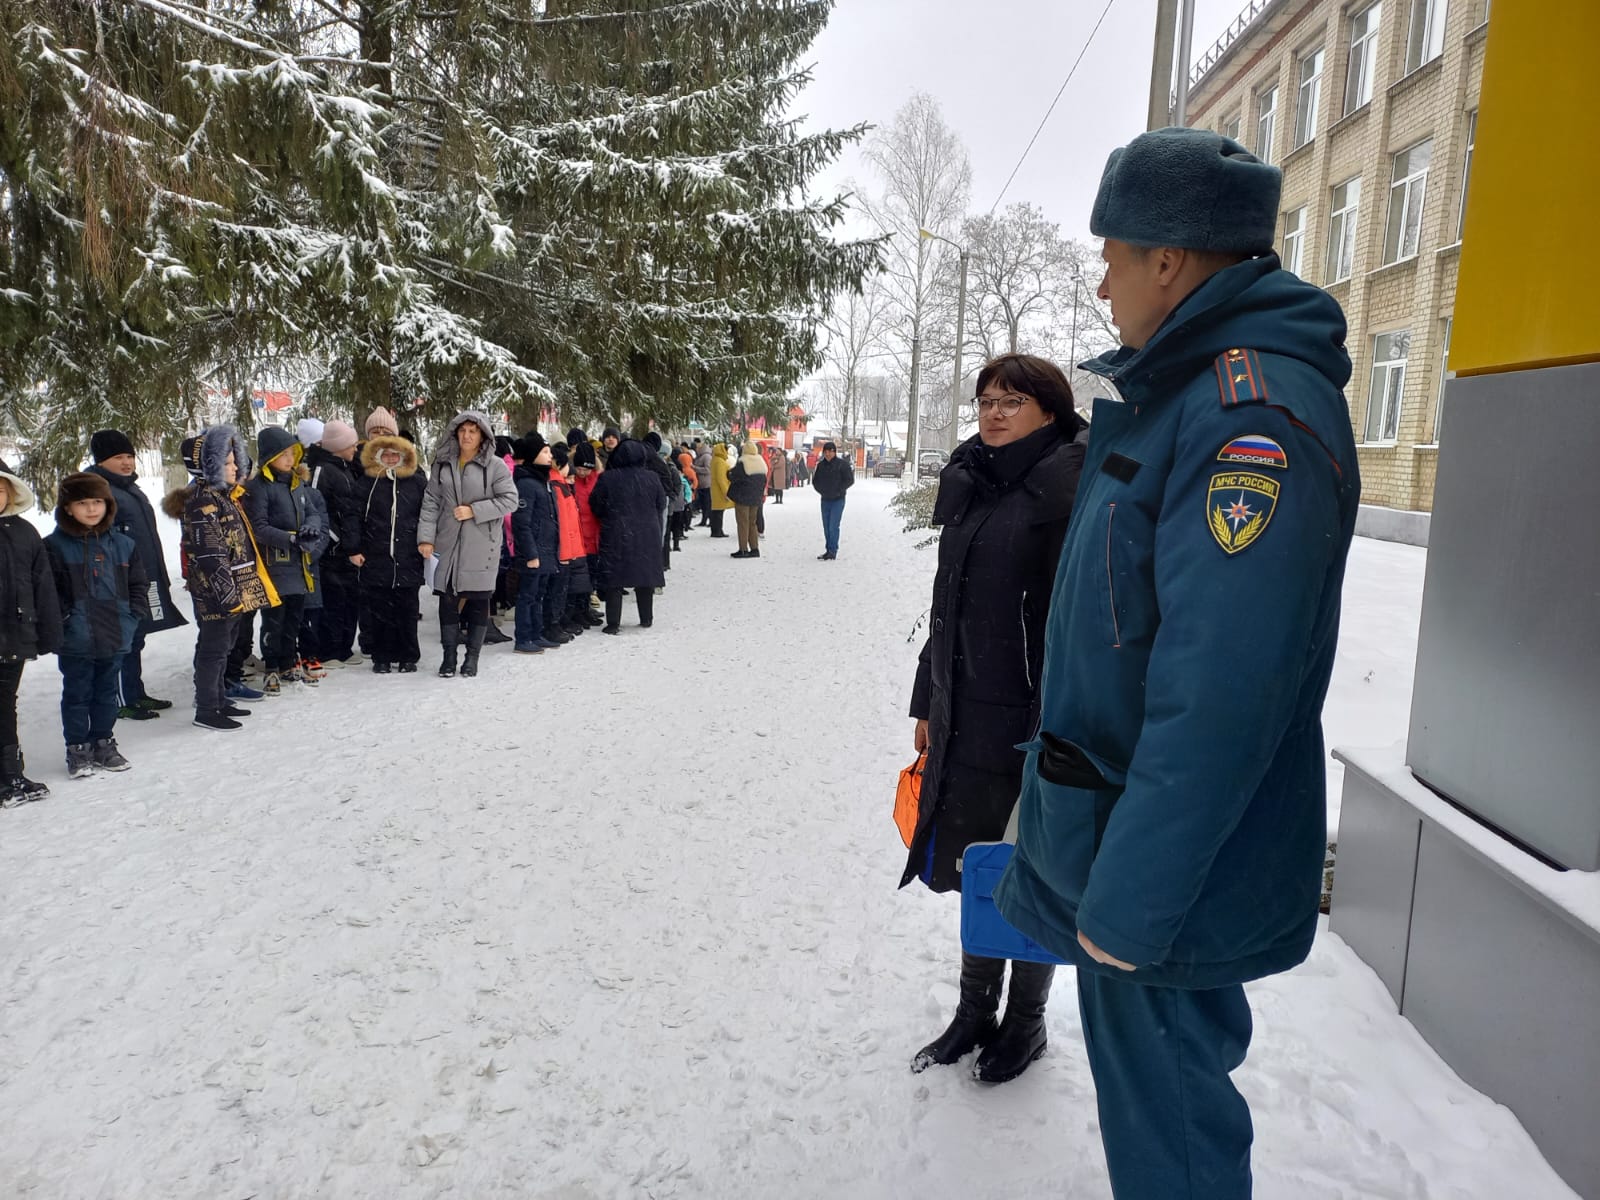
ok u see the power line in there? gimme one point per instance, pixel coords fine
(1052, 107)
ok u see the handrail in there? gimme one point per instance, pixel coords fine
(1233, 33)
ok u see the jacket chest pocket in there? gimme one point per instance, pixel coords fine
(1124, 553)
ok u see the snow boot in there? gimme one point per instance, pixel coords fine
(19, 786)
(80, 761)
(450, 639)
(1021, 1039)
(493, 635)
(974, 1024)
(379, 667)
(469, 665)
(106, 756)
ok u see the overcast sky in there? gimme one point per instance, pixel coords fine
(993, 66)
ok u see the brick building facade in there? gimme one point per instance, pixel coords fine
(1370, 107)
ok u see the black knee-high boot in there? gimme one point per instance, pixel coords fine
(475, 636)
(974, 1024)
(1021, 1038)
(450, 639)
(646, 598)
(613, 611)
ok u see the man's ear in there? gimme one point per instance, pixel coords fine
(1170, 265)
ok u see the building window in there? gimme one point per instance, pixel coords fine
(1363, 66)
(1266, 122)
(1389, 354)
(1230, 127)
(1425, 41)
(1305, 106)
(1406, 191)
(1342, 229)
(1466, 173)
(1294, 239)
(1444, 378)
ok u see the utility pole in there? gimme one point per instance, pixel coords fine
(1180, 113)
(1159, 116)
(961, 326)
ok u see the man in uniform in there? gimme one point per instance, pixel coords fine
(1172, 821)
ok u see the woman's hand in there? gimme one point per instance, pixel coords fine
(358, 560)
(919, 739)
(463, 512)
(1100, 956)
(533, 564)
(425, 549)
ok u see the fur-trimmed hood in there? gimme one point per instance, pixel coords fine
(449, 450)
(22, 497)
(410, 461)
(84, 486)
(206, 456)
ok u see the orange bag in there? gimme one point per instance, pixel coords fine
(907, 799)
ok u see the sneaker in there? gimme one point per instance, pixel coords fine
(527, 648)
(354, 659)
(132, 712)
(379, 667)
(106, 756)
(243, 693)
(299, 675)
(153, 703)
(545, 643)
(273, 686)
(254, 666)
(312, 670)
(407, 668)
(80, 761)
(217, 722)
(234, 710)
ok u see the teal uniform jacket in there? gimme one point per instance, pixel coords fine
(1191, 636)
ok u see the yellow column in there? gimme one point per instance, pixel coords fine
(1528, 296)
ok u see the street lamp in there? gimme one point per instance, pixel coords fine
(961, 318)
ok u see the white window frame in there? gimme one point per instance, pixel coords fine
(1266, 123)
(1361, 65)
(1466, 173)
(1342, 223)
(1307, 95)
(1425, 35)
(1402, 232)
(1231, 127)
(1294, 240)
(1445, 376)
(1386, 390)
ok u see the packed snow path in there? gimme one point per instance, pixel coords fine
(618, 921)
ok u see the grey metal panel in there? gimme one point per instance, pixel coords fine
(1373, 876)
(1505, 715)
(1503, 987)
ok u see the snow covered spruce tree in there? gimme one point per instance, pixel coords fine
(596, 203)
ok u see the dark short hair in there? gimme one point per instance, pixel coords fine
(1037, 377)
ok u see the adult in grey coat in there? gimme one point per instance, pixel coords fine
(470, 492)
(702, 468)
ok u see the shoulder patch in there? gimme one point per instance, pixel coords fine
(1239, 378)
(1239, 506)
(1256, 450)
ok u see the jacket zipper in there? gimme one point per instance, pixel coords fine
(1027, 666)
(1111, 587)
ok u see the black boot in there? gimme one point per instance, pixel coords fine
(19, 786)
(493, 635)
(469, 665)
(1022, 1037)
(450, 639)
(974, 1024)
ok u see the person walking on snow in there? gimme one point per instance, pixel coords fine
(1002, 509)
(832, 478)
(1172, 821)
(30, 626)
(469, 492)
(114, 462)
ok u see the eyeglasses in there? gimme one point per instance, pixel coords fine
(1008, 406)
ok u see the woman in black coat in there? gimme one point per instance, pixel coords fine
(388, 508)
(30, 625)
(629, 502)
(1003, 505)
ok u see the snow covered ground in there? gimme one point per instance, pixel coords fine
(619, 921)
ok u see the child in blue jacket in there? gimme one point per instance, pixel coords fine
(102, 588)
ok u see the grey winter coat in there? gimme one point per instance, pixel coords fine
(702, 467)
(468, 551)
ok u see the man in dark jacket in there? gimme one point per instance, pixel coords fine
(832, 478)
(135, 518)
(536, 537)
(329, 633)
(1172, 820)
